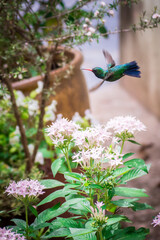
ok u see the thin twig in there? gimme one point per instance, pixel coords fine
(19, 123)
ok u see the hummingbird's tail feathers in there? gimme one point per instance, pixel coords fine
(132, 69)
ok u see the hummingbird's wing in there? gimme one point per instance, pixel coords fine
(96, 87)
(109, 59)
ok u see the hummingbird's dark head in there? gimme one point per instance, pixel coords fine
(99, 72)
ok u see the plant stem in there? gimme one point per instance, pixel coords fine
(123, 141)
(67, 159)
(26, 213)
(100, 236)
(20, 124)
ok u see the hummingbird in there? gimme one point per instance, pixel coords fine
(114, 72)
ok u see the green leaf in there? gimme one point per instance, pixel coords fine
(33, 210)
(51, 183)
(130, 233)
(56, 165)
(61, 232)
(72, 176)
(68, 222)
(20, 223)
(125, 202)
(120, 171)
(80, 231)
(134, 142)
(115, 219)
(56, 194)
(95, 186)
(51, 213)
(129, 192)
(127, 155)
(137, 163)
(141, 206)
(132, 174)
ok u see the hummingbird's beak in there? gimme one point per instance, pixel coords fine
(88, 69)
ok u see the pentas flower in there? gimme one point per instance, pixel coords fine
(62, 130)
(25, 188)
(7, 234)
(156, 220)
(127, 124)
(98, 214)
(92, 137)
(114, 158)
(90, 157)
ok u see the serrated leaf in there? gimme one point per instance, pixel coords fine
(132, 174)
(130, 192)
(56, 165)
(51, 183)
(125, 202)
(141, 206)
(137, 163)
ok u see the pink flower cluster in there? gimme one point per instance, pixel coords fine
(23, 188)
(100, 214)
(125, 124)
(156, 220)
(62, 130)
(7, 234)
(91, 137)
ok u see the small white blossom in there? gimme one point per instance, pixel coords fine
(39, 156)
(14, 136)
(85, 26)
(103, 4)
(96, 13)
(87, 20)
(111, 12)
(50, 111)
(40, 87)
(20, 98)
(155, 16)
(33, 107)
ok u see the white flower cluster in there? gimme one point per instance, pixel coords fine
(93, 142)
(128, 124)
(50, 111)
(62, 130)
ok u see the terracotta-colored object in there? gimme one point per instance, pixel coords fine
(71, 93)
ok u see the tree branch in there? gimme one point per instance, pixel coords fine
(20, 124)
